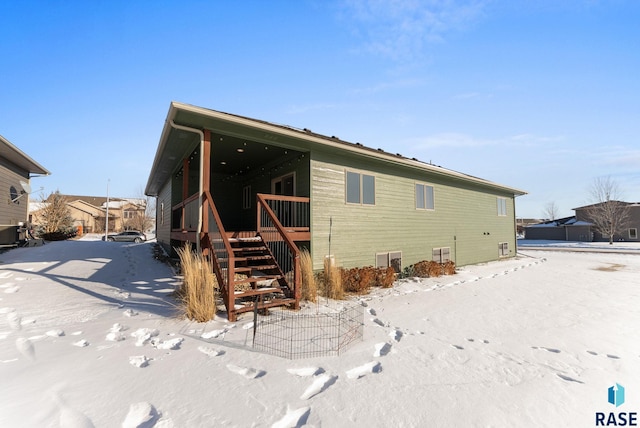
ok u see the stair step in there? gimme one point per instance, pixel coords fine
(247, 239)
(257, 291)
(248, 249)
(257, 279)
(256, 267)
(249, 307)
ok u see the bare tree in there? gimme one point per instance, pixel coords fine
(551, 211)
(609, 215)
(143, 218)
(55, 216)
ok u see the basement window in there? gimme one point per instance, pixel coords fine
(393, 259)
(503, 249)
(441, 255)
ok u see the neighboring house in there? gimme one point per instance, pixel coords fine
(563, 229)
(89, 212)
(580, 227)
(521, 223)
(631, 229)
(224, 182)
(16, 170)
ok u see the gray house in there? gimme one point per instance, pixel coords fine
(631, 228)
(16, 170)
(251, 194)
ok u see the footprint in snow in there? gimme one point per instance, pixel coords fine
(306, 371)
(129, 313)
(70, 417)
(210, 351)
(592, 353)
(12, 289)
(567, 378)
(26, 348)
(457, 347)
(320, 383)
(372, 312)
(141, 415)
(247, 372)
(552, 350)
(139, 361)
(293, 418)
(55, 333)
(143, 335)
(14, 320)
(81, 343)
(614, 357)
(370, 367)
(382, 349)
(380, 322)
(396, 335)
(171, 344)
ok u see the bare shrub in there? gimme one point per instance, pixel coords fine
(309, 286)
(431, 269)
(449, 268)
(385, 277)
(358, 280)
(197, 294)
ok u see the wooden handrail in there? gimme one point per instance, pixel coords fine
(262, 203)
(270, 197)
(226, 286)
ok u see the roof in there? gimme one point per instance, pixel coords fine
(630, 204)
(175, 145)
(560, 222)
(19, 158)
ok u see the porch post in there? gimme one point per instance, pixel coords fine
(206, 181)
(185, 188)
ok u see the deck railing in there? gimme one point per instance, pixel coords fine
(184, 216)
(220, 251)
(272, 210)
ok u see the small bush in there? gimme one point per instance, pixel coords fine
(431, 269)
(197, 295)
(385, 277)
(59, 235)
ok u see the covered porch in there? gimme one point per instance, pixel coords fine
(243, 200)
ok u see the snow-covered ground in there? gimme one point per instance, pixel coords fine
(88, 337)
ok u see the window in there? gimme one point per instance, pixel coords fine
(393, 259)
(633, 233)
(161, 213)
(246, 197)
(441, 255)
(503, 249)
(424, 197)
(502, 207)
(129, 214)
(361, 188)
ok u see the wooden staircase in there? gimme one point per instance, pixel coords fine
(258, 280)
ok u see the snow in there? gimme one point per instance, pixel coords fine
(90, 337)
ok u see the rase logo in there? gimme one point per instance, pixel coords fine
(615, 396)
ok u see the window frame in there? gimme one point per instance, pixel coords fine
(635, 233)
(246, 197)
(441, 253)
(501, 206)
(361, 188)
(503, 249)
(425, 199)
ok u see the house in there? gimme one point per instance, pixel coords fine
(89, 213)
(251, 194)
(563, 229)
(630, 232)
(580, 227)
(16, 170)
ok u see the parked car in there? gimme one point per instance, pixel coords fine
(127, 236)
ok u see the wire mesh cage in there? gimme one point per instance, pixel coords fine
(295, 335)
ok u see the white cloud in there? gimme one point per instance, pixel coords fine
(400, 28)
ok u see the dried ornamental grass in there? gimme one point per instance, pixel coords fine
(197, 295)
(332, 281)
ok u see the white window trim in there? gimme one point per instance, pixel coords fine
(635, 233)
(499, 202)
(440, 251)
(375, 188)
(425, 196)
(501, 250)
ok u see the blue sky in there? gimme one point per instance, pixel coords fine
(541, 95)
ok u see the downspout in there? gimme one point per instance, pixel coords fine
(200, 186)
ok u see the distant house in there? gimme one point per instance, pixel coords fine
(234, 186)
(580, 227)
(563, 229)
(16, 170)
(630, 232)
(89, 212)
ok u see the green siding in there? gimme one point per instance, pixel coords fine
(465, 216)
